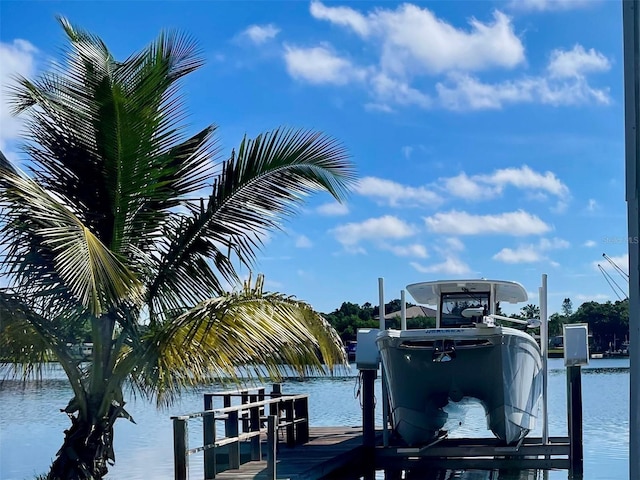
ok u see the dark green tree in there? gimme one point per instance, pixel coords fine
(608, 322)
(556, 321)
(530, 311)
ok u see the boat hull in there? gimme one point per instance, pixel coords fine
(427, 370)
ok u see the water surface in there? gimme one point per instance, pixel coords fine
(31, 425)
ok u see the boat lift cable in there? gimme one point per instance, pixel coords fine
(622, 273)
(611, 283)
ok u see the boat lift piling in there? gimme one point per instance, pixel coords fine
(403, 311)
(574, 419)
(481, 453)
(385, 396)
(576, 354)
(631, 61)
(544, 347)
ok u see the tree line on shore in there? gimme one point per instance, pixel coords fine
(608, 322)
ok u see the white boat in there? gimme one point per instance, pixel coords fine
(468, 354)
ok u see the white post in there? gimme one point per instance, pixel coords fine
(544, 344)
(385, 393)
(403, 311)
(493, 305)
(631, 44)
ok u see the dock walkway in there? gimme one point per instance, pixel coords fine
(329, 449)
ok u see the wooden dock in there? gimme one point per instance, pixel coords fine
(329, 450)
(267, 436)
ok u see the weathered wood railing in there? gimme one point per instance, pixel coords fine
(245, 422)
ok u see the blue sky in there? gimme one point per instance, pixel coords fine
(487, 136)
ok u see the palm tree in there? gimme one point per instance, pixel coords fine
(112, 230)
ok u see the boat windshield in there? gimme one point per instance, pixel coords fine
(452, 305)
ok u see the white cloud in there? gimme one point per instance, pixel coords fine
(565, 84)
(415, 250)
(576, 62)
(531, 253)
(414, 39)
(407, 150)
(553, 244)
(524, 254)
(260, 34)
(524, 177)
(519, 223)
(464, 92)
(454, 243)
(589, 244)
(594, 297)
(411, 42)
(382, 228)
(462, 186)
(302, 241)
(343, 16)
(392, 90)
(396, 194)
(320, 65)
(450, 266)
(16, 58)
(549, 5)
(333, 209)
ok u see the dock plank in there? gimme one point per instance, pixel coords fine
(331, 449)
(328, 449)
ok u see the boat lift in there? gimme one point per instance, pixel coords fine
(545, 452)
(617, 289)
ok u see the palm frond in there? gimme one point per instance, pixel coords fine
(255, 191)
(21, 345)
(28, 340)
(246, 333)
(107, 135)
(6, 165)
(268, 179)
(89, 270)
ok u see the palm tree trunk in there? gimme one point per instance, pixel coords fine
(88, 445)
(86, 451)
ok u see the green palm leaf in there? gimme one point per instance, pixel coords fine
(255, 191)
(247, 333)
(99, 118)
(84, 265)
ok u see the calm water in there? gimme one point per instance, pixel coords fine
(31, 426)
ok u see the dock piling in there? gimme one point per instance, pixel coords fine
(231, 430)
(180, 445)
(574, 420)
(209, 436)
(272, 441)
(301, 410)
(368, 408)
(254, 426)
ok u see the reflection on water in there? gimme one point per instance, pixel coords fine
(31, 425)
(468, 475)
(472, 474)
